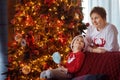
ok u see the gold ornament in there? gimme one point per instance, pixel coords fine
(18, 37)
(26, 69)
(76, 17)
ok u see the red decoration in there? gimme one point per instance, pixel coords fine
(87, 24)
(29, 21)
(60, 23)
(30, 38)
(49, 2)
(10, 59)
(62, 38)
(12, 44)
(13, 21)
(45, 66)
(8, 78)
(36, 52)
(71, 26)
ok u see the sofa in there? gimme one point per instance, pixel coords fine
(105, 63)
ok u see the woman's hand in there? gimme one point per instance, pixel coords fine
(98, 50)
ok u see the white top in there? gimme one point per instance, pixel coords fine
(106, 38)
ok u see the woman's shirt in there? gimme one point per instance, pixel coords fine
(106, 38)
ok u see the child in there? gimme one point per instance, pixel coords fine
(73, 64)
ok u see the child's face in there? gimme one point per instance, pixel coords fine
(79, 43)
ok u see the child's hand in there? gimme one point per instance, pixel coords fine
(59, 65)
(62, 68)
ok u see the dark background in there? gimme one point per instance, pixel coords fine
(3, 37)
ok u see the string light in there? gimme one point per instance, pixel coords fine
(46, 28)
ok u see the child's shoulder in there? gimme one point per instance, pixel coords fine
(80, 53)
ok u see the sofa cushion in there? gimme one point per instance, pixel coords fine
(105, 63)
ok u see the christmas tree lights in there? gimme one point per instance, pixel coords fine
(41, 27)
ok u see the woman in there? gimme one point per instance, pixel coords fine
(74, 62)
(101, 36)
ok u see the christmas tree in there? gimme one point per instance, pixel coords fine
(41, 27)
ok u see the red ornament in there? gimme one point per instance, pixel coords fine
(13, 21)
(87, 24)
(29, 21)
(8, 78)
(30, 38)
(49, 2)
(52, 40)
(62, 38)
(60, 23)
(12, 44)
(36, 52)
(45, 66)
(10, 59)
(71, 26)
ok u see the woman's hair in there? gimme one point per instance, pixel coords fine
(100, 11)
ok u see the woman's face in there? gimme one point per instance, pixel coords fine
(97, 20)
(79, 43)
